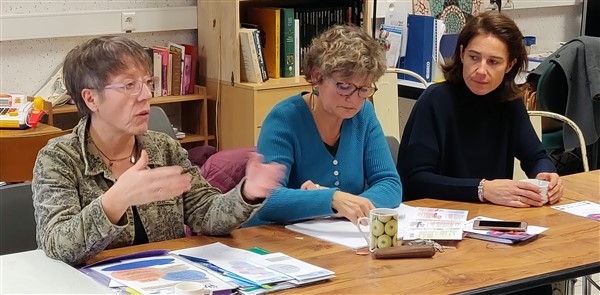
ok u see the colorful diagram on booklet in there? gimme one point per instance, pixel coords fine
(145, 271)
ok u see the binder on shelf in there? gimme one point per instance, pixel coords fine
(268, 20)
(421, 47)
(287, 42)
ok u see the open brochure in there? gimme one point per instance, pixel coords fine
(155, 272)
(261, 269)
(415, 223)
(585, 209)
(222, 269)
(504, 237)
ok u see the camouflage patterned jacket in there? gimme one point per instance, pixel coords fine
(69, 178)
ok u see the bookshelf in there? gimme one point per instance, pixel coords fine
(241, 107)
(194, 115)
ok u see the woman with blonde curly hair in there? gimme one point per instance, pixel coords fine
(337, 159)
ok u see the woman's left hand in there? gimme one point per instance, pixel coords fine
(261, 178)
(555, 187)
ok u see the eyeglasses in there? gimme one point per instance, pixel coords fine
(347, 89)
(134, 88)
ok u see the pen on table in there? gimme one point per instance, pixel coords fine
(194, 259)
(234, 276)
(222, 271)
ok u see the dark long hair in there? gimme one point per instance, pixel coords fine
(501, 27)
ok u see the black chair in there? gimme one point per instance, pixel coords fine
(17, 222)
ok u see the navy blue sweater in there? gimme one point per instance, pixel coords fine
(454, 138)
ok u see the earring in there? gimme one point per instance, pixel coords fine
(315, 91)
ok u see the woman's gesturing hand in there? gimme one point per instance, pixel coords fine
(261, 178)
(140, 185)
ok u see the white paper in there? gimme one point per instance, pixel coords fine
(413, 223)
(586, 209)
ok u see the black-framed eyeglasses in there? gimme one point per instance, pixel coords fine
(134, 88)
(347, 89)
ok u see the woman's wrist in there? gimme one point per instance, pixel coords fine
(480, 190)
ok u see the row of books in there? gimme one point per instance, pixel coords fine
(220, 268)
(175, 68)
(285, 34)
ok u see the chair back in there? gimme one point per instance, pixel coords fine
(394, 146)
(575, 128)
(385, 100)
(160, 122)
(17, 222)
(18, 154)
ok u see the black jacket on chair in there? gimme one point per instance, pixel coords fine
(579, 64)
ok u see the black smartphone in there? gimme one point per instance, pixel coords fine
(500, 225)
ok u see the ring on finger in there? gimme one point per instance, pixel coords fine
(317, 186)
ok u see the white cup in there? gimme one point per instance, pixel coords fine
(382, 228)
(543, 185)
(192, 288)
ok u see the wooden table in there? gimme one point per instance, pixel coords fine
(568, 249)
(582, 186)
(39, 130)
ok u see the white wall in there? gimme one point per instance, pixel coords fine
(25, 65)
(550, 25)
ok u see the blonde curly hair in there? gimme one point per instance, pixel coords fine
(346, 50)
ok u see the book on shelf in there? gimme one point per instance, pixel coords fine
(297, 64)
(287, 42)
(268, 20)
(192, 50)
(504, 237)
(178, 53)
(250, 67)
(187, 73)
(261, 55)
(157, 73)
(164, 73)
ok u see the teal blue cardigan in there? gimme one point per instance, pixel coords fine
(289, 136)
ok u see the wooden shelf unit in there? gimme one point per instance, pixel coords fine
(242, 107)
(194, 115)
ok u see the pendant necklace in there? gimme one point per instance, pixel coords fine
(112, 161)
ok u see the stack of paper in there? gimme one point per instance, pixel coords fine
(155, 274)
(269, 272)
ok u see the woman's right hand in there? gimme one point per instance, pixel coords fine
(140, 185)
(512, 193)
(351, 206)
